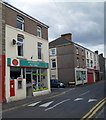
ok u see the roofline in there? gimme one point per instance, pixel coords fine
(23, 13)
(70, 44)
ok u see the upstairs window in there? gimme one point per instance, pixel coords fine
(53, 63)
(39, 50)
(39, 32)
(77, 51)
(78, 62)
(20, 46)
(53, 51)
(20, 23)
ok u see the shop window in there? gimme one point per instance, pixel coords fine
(39, 80)
(53, 63)
(20, 23)
(39, 32)
(78, 75)
(20, 46)
(15, 72)
(39, 50)
(81, 75)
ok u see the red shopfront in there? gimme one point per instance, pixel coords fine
(90, 76)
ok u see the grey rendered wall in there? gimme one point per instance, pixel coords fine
(65, 61)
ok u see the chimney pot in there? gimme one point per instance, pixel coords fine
(96, 51)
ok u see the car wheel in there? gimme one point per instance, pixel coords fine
(58, 86)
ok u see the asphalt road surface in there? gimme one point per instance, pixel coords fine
(85, 101)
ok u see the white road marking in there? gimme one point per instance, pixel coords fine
(77, 99)
(46, 104)
(84, 93)
(33, 104)
(92, 100)
(57, 104)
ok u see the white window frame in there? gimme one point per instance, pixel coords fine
(39, 32)
(52, 63)
(20, 43)
(78, 62)
(52, 50)
(39, 47)
(21, 20)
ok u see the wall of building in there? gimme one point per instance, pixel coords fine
(65, 61)
(30, 45)
(30, 49)
(30, 25)
(80, 56)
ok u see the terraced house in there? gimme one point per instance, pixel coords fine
(25, 55)
(68, 60)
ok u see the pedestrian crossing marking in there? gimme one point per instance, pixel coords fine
(46, 104)
(33, 104)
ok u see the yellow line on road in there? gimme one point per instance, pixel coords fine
(94, 112)
(92, 109)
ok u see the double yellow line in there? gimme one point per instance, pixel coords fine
(93, 111)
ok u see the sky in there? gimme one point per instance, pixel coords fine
(85, 20)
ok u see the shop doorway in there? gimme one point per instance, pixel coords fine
(28, 84)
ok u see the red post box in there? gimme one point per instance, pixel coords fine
(12, 88)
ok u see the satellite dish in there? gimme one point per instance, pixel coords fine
(14, 41)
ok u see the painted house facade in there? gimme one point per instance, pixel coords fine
(92, 64)
(68, 61)
(26, 54)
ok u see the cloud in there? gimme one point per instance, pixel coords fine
(85, 20)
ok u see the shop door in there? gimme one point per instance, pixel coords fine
(90, 78)
(28, 84)
(12, 88)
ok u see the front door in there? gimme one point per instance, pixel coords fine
(28, 84)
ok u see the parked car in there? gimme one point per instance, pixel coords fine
(56, 83)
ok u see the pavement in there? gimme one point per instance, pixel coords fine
(73, 102)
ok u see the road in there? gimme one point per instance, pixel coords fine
(75, 102)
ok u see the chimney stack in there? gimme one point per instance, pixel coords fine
(96, 51)
(67, 36)
(101, 54)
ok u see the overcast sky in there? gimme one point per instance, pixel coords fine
(85, 20)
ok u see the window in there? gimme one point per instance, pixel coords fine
(15, 72)
(91, 55)
(91, 63)
(39, 50)
(87, 63)
(87, 54)
(77, 51)
(82, 52)
(39, 32)
(53, 63)
(53, 51)
(20, 23)
(53, 77)
(77, 62)
(20, 46)
(83, 63)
